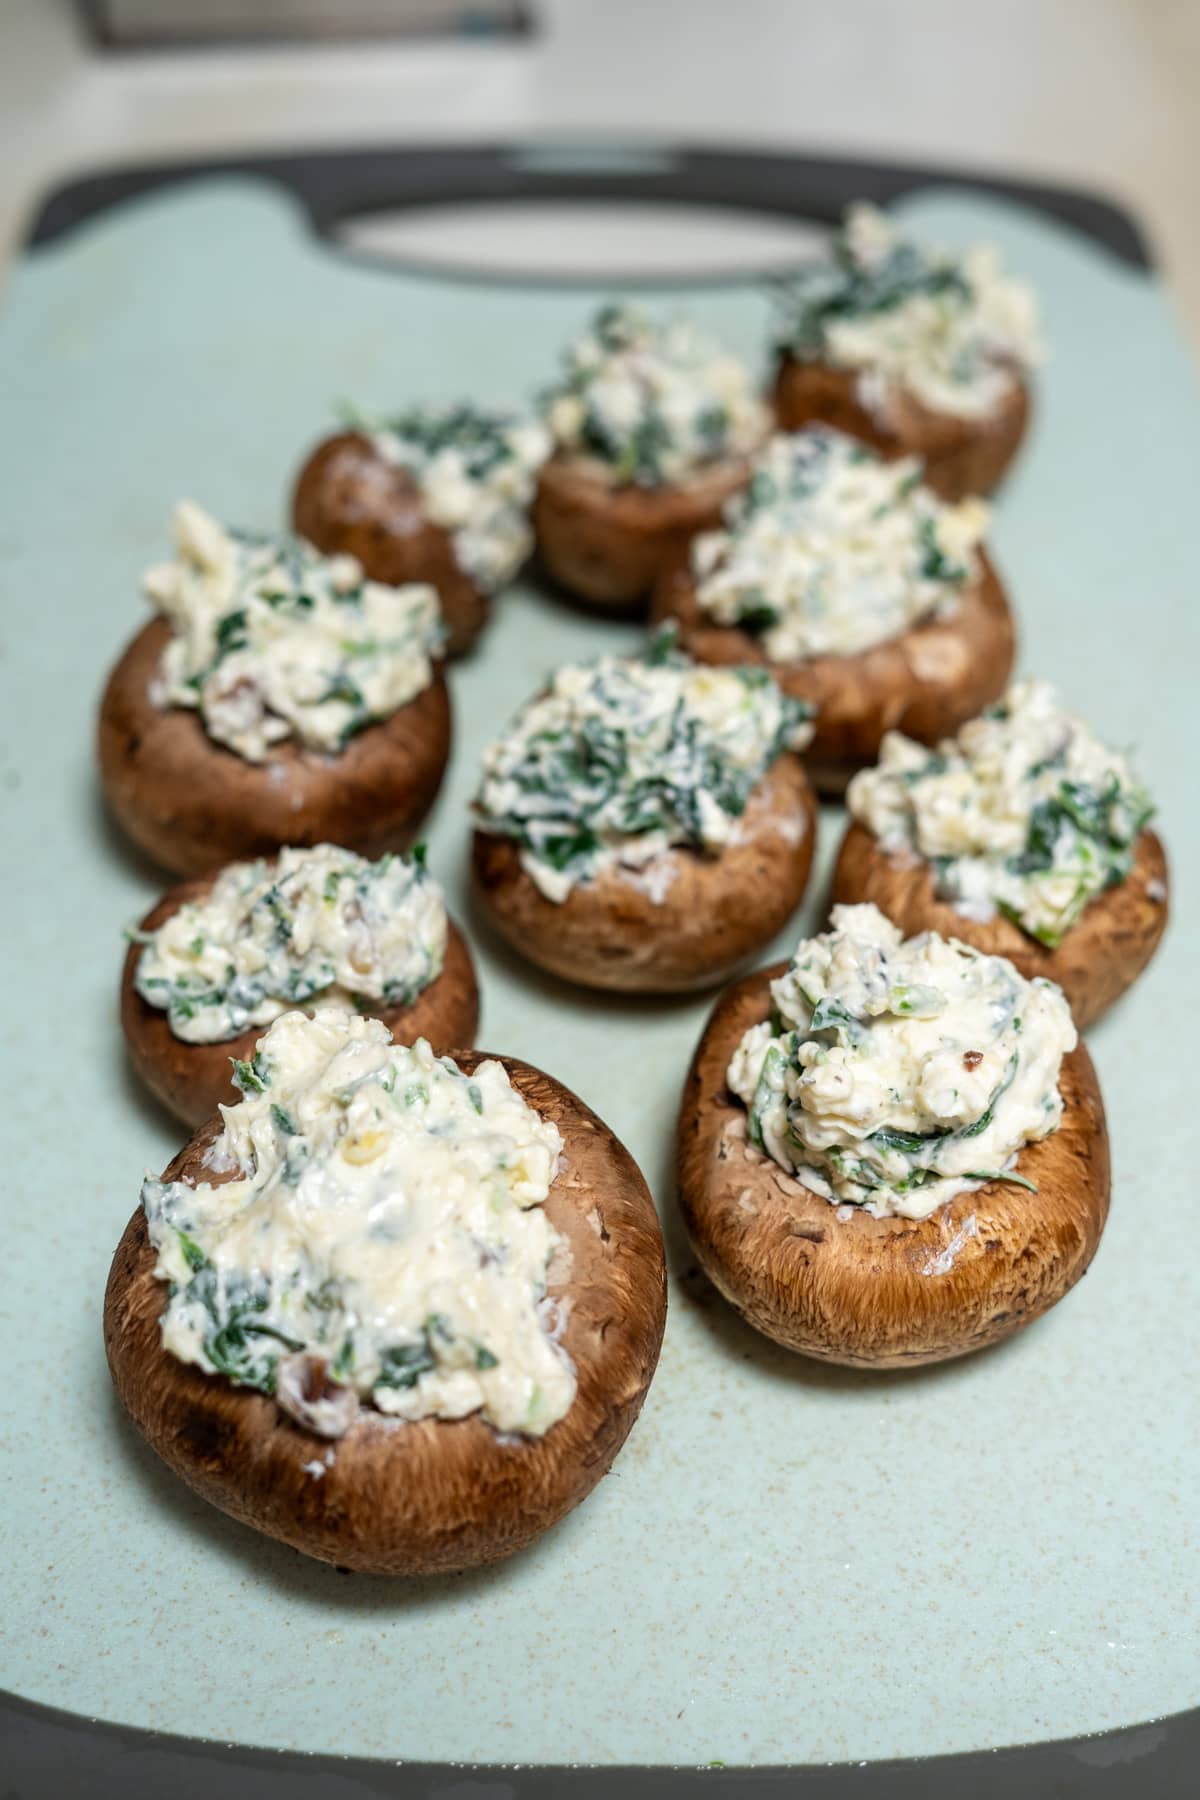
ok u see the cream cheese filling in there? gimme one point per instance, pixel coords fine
(653, 402)
(476, 473)
(271, 640)
(893, 1073)
(1025, 812)
(623, 758)
(384, 1238)
(831, 550)
(954, 332)
(308, 924)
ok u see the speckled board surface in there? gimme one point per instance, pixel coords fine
(788, 1564)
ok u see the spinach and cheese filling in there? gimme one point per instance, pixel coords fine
(894, 1072)
(626, 757)
(1023, 813)
(382, 1238)
(831, 549)
(953, 331)
(653, 402)
(475, 472)
(309, 924)
(272, 640)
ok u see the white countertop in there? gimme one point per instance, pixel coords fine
(1098, 92)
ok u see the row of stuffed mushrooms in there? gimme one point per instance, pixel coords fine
(398, 1303)
(652, 427)
(838, 553)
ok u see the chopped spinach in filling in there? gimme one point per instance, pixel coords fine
(948, 329)
(624, 758)
(270, 936)
(383, 1237)
(1025, 812)
(652, 401)
(831, 549)
(892, 1073)
(476, 472)
(272, 640)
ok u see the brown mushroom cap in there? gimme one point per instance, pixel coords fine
(192, 1080)
(625, 931)
(607, 544)
(926, 682)
(438, 1495)
(882, 1293)
(192, 804)
(1102, 954)
(348, 498)
(962, 456)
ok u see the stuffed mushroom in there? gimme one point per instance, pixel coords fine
(1023, 835)
(397, 1311)
(652, 427)
(439, 495)
(890, 1151)
(858, 588)
(643, 825)
(914, 350)
(277, 698)
(220, 957)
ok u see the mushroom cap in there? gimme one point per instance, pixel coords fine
(607, 544)
(192, 1080)
(962, 455)
(926, 681)
(437, 1495)
(882, 1293)
(1102, 954)
(686, 921)
(349, 499)
(191, 804)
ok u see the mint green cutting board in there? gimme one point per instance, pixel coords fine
(789, 1563)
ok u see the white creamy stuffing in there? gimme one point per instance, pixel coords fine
(273, 935)
(625, 757)
(475, 472)
(893, 1073)
(384, 1239)
(953, 331)
(1024, 812)
(831, 549)
(272, 640)
(653, 402)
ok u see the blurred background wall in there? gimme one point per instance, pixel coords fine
(1104, 93)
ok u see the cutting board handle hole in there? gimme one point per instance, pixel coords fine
(583, 239)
